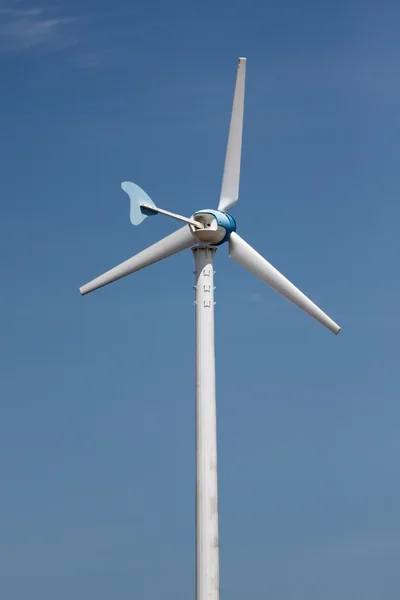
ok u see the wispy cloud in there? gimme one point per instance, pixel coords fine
(253, 298)
(21, 29)
(90, 60)
(24, 28)
(20, 12)
(352, 549)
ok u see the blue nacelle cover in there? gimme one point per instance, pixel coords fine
(223, 220)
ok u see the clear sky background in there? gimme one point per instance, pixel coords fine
(97, 393)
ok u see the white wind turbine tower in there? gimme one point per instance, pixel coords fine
(204, 231)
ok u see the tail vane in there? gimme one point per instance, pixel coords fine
(137, 196)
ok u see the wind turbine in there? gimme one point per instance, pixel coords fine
(204, 231)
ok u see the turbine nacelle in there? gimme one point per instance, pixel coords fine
(216, 226)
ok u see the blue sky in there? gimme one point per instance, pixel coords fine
(97, 393)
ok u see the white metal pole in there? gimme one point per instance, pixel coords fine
(207, 546)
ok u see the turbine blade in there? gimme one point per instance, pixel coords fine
(242, 253)
(231, 178)
(177, 241)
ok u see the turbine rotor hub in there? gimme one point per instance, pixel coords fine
(216, 226)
